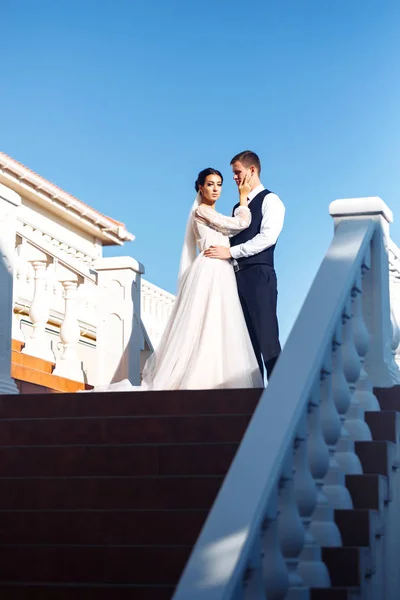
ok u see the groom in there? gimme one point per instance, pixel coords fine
(252, 251)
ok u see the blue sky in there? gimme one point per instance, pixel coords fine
(121, 104)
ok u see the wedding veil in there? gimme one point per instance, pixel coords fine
(189, 249)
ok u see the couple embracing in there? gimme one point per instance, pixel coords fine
(223, 328)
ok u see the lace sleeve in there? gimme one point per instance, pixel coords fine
(226, 225)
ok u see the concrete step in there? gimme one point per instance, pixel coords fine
(107, 404)
(118, 460)
(388, 398)
(142, 565)
(103, 527)
(51, 591)
(123, 430)
(384, 425)
(151, 493)
(377, 457)
(358, 527)
(347, 566)
(368, 491)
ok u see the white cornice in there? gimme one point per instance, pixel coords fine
(26, 182)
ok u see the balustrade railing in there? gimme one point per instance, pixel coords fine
(59, 296)
(85, 318)
(82, 314)
(156, 308)
(263, 537)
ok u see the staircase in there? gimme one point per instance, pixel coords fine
(35, 375)
(103, 495)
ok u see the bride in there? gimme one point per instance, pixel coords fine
(205, 344)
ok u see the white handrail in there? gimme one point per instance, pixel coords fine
(245, 540)
(75, 265)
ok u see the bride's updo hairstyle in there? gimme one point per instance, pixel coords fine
(201, 178)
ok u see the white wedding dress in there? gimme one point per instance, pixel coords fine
(205, 344)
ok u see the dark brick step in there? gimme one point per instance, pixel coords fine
(377, 457)
(101, 527)
(388, 398)
(109, 492)
(334, 593)
(124, 430)
(185, 402)
(384, 425)
(347, 566)
(368, 491)
(357, 527)
(141, 565)
(107, 460)
(48, 591)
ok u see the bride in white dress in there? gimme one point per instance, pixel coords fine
(206, 344)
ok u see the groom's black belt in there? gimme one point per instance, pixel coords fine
(239, 267)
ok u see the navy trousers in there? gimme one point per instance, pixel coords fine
(258, 295)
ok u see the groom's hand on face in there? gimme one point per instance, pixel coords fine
(220, 252)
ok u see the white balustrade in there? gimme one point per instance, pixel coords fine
(45, 289)
(299, 445)
(156, 308)
(82, 314)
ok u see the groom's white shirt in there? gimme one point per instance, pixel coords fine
(273, 211)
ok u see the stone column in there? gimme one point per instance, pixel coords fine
(379, 362)
(119, 336)
(68, 364)
(9, 203)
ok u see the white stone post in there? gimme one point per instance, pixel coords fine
(9, 203)
(68, 364)
(379, 362)
(38, 343)
(119, 335)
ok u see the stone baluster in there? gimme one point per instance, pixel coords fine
(355, 350)
(275, 571)
(9, 204)
(291, 529)
(38, 343)
(251, 587)
(334, 484)
(331, 484)
(68, 364)
(312, 463)
(346, 368)
(22, 273)
(364, 389)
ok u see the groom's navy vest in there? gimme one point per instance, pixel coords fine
(266, 257)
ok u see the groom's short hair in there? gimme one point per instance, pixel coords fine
(248, 159)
